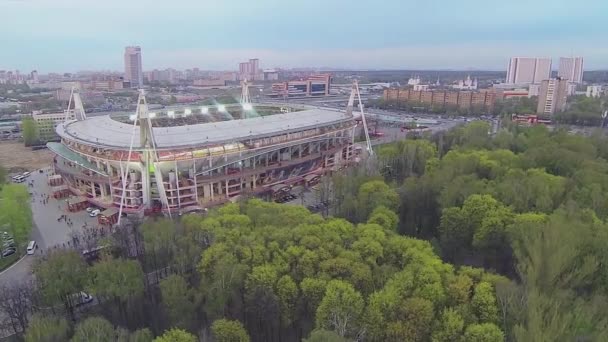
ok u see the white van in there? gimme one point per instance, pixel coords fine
(31, 247)
(19, 179)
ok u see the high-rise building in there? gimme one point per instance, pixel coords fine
(571, 68)
(528, 70)
(251, 70)
(133, 70)
(552, 96)
(254, 66)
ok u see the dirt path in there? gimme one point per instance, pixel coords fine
(15, 157)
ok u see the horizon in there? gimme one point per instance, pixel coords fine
(65, 35)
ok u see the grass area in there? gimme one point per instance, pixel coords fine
(9, 260)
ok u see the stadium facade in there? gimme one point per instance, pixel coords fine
(194, 157)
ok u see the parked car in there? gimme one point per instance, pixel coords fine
(95, 212)
(90, 209)
(80, 298)
(8, 252)
(31, 247)
(9, 243)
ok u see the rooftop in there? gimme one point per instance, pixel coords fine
(107, 132)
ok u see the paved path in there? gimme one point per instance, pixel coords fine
(47, 231)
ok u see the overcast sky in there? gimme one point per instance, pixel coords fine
(71, 35)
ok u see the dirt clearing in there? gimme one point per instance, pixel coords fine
(15, 157)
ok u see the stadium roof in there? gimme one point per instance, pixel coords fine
(106, 132)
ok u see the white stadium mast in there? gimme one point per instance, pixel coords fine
(245, 99)
(150, 155)
(79, 113)
(349, 110)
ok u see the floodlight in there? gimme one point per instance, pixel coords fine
(187, 111)
(221, 108)
(152, 115)
(247, 106)
(204, 110)
(171, 114)
(132, 117)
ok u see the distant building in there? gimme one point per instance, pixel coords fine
(34, 76)
(133, 69)
(250, 70)
(314, 85)
(571, 68)
(209, 82)
(418, 87)
(271, 75)
(524, 70)
(413, 81)
(465, 100)
(552, 96)
(466, 84)
(594, 91)
(533, 90)
(46, 124)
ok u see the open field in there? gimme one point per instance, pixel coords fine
(15, 157)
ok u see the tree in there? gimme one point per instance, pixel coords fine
(384, 217)
(94, 329)
(118, 280)
(179, 300)
(15, 211)
(16, 302)
(47, 329)
(325, 336)
(141, 335)
(485, 332)
(30, 131)
(449, 328)
(287, 291)
(224, 330)
(484, 303)
(61, 275)
(340, 309)
(373, 194)
(176, 335)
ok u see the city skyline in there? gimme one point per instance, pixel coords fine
(344, 35)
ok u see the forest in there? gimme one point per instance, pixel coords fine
(460, 236)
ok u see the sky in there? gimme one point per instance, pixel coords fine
(73, 35)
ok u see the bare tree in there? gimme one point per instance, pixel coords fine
(16, 306)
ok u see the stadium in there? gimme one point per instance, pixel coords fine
(185, 157)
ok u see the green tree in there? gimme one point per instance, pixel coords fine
(176, 335)
(94, 329)
(59, 276)
(15, 211)
(287, 291)
(30, 131)
(449, 327)
(485, 332)
(141, 335)
(325, 336)
(224, 330)
(118, 280)
(47, 329)
(179, 300)
(340, 309)
(384, 217)
(484, 303)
